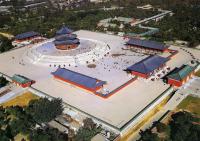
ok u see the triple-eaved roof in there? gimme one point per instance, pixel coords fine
(67, 42)
(66, 39)
(26, 35)
(181, 73)
(148, 64)
(147, 44)
(64, 36)
(77, 78)
(64, 30)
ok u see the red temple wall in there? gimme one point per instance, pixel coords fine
(180, 83)
(66, 47)
(25, 39)
(140, 74)
(81, 86)
(23, 85)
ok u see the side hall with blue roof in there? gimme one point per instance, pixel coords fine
(80, 80)
(153, 45)
(26, 35)
(145, 67)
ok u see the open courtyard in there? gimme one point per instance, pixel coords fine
(109, 66)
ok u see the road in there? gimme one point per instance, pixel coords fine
(164, 13)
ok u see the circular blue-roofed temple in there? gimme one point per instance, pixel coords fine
(65, 39)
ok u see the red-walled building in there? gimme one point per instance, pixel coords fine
(147, 45)
(180, 76)
(146, 67)
(26, 36)
(22, 81)
(79, 80)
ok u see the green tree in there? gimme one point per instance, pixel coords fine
(39, 135)
(89, 124)
(5, 44)
(161, 127)
(3, 81)
(44, 110)
(3, 136)
(147, 135)
(183, 127)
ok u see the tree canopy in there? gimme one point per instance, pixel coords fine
(44, 110)
(3, 81)
(183, 127)
(16, 120)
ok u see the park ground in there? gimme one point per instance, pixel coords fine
(198, 73)
(21, 100)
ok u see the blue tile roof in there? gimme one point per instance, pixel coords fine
(78, 78)
(147, 44)
(66, 42)
(148, 64)
(26, 35)
(66, 37)
(64, 30)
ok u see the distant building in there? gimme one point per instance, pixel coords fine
(181, 75)
(65, 40)
(68, 4)
(79, 80)
(27, 38)
(108, 22)
(147, 45)
(98, 1)
(145, 7)
(99, 137)
(146, 67)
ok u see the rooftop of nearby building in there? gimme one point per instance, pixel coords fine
(64, 30)
(26, 35)
(78, 78)
(20, 79)
(148, 64)
(147, 44)
(181, 72)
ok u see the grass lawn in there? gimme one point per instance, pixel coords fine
(21, 100)
(191, 104)
(198, 73)
(19, 137)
